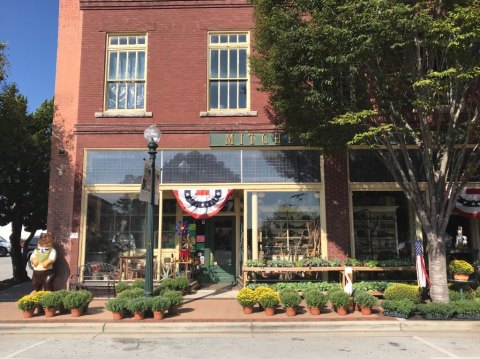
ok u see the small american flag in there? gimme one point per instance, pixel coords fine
(422, 276)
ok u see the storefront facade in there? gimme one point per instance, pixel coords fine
(125, 65)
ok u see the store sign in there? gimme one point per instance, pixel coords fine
(244, 139)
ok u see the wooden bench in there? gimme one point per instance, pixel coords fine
(97, 277)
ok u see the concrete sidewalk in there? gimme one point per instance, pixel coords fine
(210, 312)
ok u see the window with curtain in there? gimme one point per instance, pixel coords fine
(228, 74)
(126, 67)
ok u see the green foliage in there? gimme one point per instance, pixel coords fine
(138, 283)
(458, 266)
(377, 74)
(436, 310)
(160, 303)
(370, 286)
(27, 302)
(352, 262)
(131, 293)
(121, 286)
(269, 299)
(175, 297)
(279, 263)
(302, 286)
(466, 307)
(290, 298)
(334, 290)
(404, 306)
(140, 304)
(255, 263)
(339, 299)
(364, 299)
(52, 300)
(116, 305)
(399, 291)
(168, 283)
(477, 292)
(181, 283)
(315, 298)
(246, 297)
(454, 292)
(78, 299)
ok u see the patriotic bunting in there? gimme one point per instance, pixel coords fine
(468, 203)
(202, 204)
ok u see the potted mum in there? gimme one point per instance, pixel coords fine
(77, 302)
(461, 269)
(315, 300)
(27, 305)
(269, 300)
(51, 302)
(290, 300)
(365, 301)
(175, 298)
(340, 301)
(159, 306)
(117, 306)
(138, 306)
(246, 298)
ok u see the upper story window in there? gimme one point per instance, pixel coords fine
(228, 71)
(126, 64)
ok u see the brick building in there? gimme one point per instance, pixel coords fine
(182, 65)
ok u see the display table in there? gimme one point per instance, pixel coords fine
(133, 267)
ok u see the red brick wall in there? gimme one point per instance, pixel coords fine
(62, 166)
(336, 198)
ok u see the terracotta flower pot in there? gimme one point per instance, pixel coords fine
(269, 311)
(248, 309)
(49, 312)
(28, 313)
(76, 312)
(117, 315)
(342, 311)
(138, 315)
(461, 277)
(158, 314)
(291, 311)
(314, 310)
(366, 310)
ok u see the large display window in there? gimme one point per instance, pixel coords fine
(284, 225)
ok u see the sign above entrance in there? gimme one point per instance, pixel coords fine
(468, 203)
(202, 203)
(244, 139)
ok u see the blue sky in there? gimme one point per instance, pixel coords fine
(30, 29)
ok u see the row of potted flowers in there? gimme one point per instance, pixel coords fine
(322, 262)
(314, 298)
(51, 303)
(132, 301)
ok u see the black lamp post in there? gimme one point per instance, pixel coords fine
(152, 135)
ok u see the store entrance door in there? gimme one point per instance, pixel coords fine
(219, 253)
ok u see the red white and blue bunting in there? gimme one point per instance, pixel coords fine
(468, 203)
(202, 203)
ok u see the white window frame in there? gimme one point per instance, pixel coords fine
(228, 46)
(128, 48)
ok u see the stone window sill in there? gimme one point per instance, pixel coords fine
(120, 114)
(229, 114)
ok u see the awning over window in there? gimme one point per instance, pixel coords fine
(202, 203)
(468, 203)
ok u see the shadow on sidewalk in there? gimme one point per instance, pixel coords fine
(11, 291)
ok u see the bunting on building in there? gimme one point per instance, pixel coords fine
(468, 203)
(201, 204)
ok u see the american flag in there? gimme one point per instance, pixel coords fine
(422, 276)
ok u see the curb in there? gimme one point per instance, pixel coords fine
(249, 328)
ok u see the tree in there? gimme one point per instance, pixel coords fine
(400, 77)
(24, 169)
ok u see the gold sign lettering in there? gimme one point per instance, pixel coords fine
(252, 138)
(265, 139)
(229, 139)
(241, 138)
(276, 138)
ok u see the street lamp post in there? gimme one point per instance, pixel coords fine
(152, 135)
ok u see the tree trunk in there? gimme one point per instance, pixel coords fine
(18, 263)
(437, 264)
